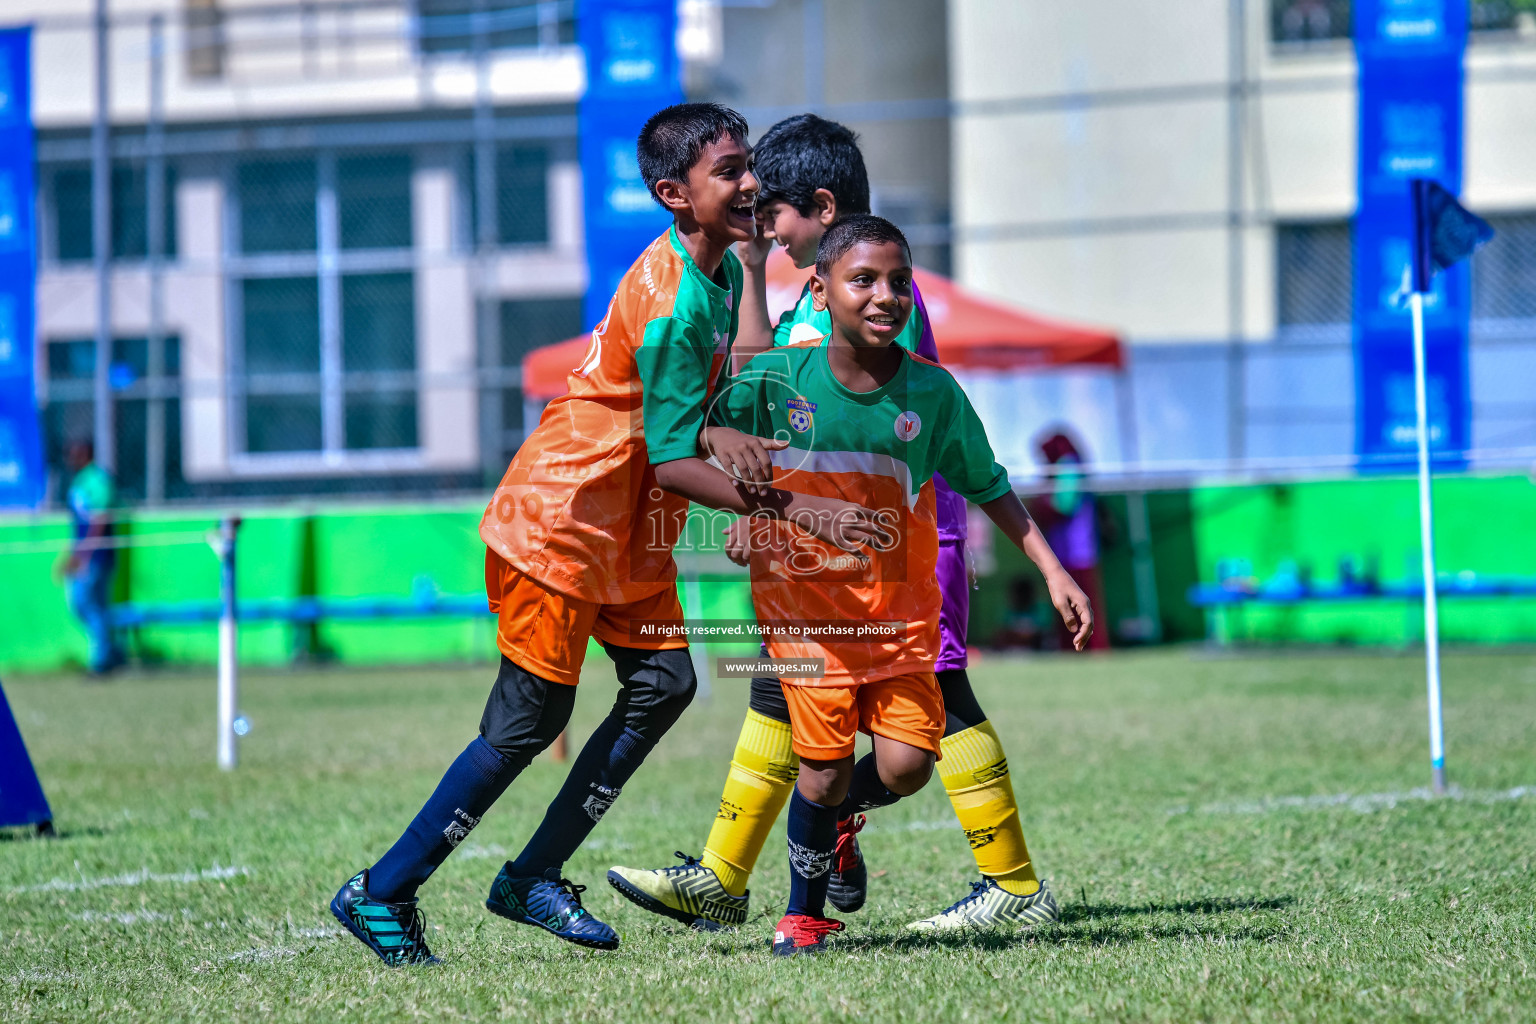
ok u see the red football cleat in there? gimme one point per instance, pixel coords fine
(802, 933)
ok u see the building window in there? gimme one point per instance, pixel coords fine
(73, 210)
(277, 206)
(1312, 273)
(1503, 274)
(1300, 22)
(378, 315)
(327, 303)
(527, 324)
(1308, 21)
(69, 411)
(449, 26)
(281, 321)
(373, 198)
(1504, 17)
(522, 195)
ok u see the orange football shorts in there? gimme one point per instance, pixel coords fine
(545, 632)
(824, 720)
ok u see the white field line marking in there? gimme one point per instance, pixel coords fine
(929, 826)
(38, 974)
(1363, 803)
(607, 844)
(131, 918)
(474, 851)
(912, 826)
(141, 877)
(257, 956)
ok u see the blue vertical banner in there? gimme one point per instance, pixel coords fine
(1410, 59)
(632, 72)
(22, 474)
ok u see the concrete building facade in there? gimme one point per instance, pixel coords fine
(1186, 172)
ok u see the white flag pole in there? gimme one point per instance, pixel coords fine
(1427, 544)
(229, 646)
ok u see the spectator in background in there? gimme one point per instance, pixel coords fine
(1069, 517)
(87, 569)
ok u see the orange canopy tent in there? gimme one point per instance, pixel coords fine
(972, 333)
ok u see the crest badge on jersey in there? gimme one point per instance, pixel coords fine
(800, 414)
(908, 424)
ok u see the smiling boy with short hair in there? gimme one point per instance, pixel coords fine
(579, 539)
(870, 423)
(813, 175)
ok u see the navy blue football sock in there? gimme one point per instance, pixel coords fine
(607, 761)
(866, 791)
(468, 789)
(812, 835)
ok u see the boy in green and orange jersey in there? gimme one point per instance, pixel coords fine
(813, 175)
(869, 423)
(579, 539)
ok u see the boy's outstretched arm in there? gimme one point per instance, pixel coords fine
(1014, 520)
(842, 523)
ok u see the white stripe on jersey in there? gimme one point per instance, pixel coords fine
(868, 463)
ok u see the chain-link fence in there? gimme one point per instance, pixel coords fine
(336, 229)
(308, 290)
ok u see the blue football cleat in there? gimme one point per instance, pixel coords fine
(392, 930)
(551, 903)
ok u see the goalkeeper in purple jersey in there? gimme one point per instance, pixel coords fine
(812, 174)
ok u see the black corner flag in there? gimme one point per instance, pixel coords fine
(1444, 231)
(21, 795)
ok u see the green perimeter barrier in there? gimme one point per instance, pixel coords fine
(384, 550)
(1483, 525)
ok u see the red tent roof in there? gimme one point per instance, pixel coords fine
(972, 333)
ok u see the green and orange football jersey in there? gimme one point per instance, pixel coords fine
(579, 509)
(879, 449)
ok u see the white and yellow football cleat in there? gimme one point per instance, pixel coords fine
(688, 892)
(991, 906)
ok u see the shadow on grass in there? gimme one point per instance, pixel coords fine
(1110, 925)
(1105, 934)
(1074, 913)
(29, 833)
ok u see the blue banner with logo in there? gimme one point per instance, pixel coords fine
(22, 474)
(632, 72)
(1410, 59)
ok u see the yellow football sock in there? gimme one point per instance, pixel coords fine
(763, 772)
(975, 775)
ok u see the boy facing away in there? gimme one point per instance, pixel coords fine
(579, 539)
(811, 175)
(870, 423)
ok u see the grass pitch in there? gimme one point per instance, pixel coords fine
(1230, 838)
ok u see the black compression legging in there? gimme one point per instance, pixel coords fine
(961, 710)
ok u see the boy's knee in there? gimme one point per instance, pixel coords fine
(825, 782)
(657, 687)
(676, 682)
(525, 713)
(908, 775)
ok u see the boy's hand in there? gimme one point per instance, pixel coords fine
(755, 253)
(744, 457)
(1072, 604)
(738, 541)
(840, 523)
